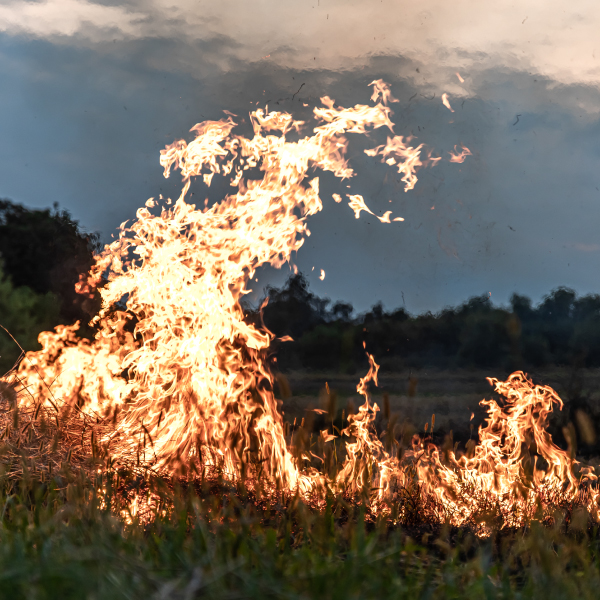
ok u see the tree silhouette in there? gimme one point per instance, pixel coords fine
(46, 251)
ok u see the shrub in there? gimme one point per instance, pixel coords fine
(24, 313)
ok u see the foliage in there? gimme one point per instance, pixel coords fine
(46, 251)
(67, 539)
(563, 329)
(25, 314)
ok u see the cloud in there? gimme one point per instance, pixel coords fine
(553, 39)
(69, 18)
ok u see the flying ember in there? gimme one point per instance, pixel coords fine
(183, 378)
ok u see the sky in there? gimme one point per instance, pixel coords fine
(92, 91)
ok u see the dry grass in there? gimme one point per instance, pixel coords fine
(69, 529)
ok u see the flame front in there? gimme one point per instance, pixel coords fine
(174, 363)
(184, 377)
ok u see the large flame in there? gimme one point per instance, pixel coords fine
(184, 378)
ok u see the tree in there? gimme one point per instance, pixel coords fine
(292, 310)
(342, 311)
(25, 314)
(46, 251)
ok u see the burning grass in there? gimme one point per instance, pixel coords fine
(76, 523)
(160, 443)
(77, 537)
(541, 483)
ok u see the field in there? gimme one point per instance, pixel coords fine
(451, 395)
(81, 534)
(57, 541)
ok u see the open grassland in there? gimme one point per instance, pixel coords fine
(413, 396)
(73, 527)
(61, 540)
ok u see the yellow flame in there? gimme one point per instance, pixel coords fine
(184, 377)
(446, 102)
(459, 157)
(357, 204)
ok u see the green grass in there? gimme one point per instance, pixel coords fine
(58, 541)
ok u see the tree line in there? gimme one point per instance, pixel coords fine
(563, 329)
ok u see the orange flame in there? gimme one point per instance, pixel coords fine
(357, 204)
(446, 102)
(459, 157)
(406, 158)
(185, 379)
(174, 363)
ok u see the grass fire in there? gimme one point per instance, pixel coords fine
(163, 430)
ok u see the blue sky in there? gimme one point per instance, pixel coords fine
(92, 91)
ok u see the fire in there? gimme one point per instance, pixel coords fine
(459, 157)
(408, 159)
(357, 204)
(184, 379)
(501, 471)
(174, 364)
(446, 102)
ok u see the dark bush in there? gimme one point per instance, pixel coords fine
(563, 329)
(24, 313)
(46, 251)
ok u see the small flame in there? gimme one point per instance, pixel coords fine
(397, 152)
(357, 204)
(446, 102)
(382, 92)
(459, 157)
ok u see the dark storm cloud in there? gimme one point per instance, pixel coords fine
(84, 125)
